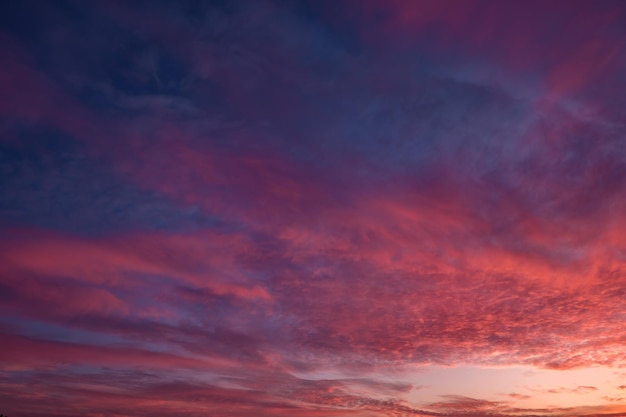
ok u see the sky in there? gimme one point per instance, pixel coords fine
(315, 208)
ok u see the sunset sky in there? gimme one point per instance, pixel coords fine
(314, 208)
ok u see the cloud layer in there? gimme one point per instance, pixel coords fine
(294, 208)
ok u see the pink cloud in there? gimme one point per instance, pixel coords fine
(121, 261)
(21, 353)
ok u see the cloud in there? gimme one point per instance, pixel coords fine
(119, 262)
(22, 353)
(581, 389)
(269, 208)
(585, 388)
(136, 394)
(457, 403)
(517, 396)
(613, 399)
